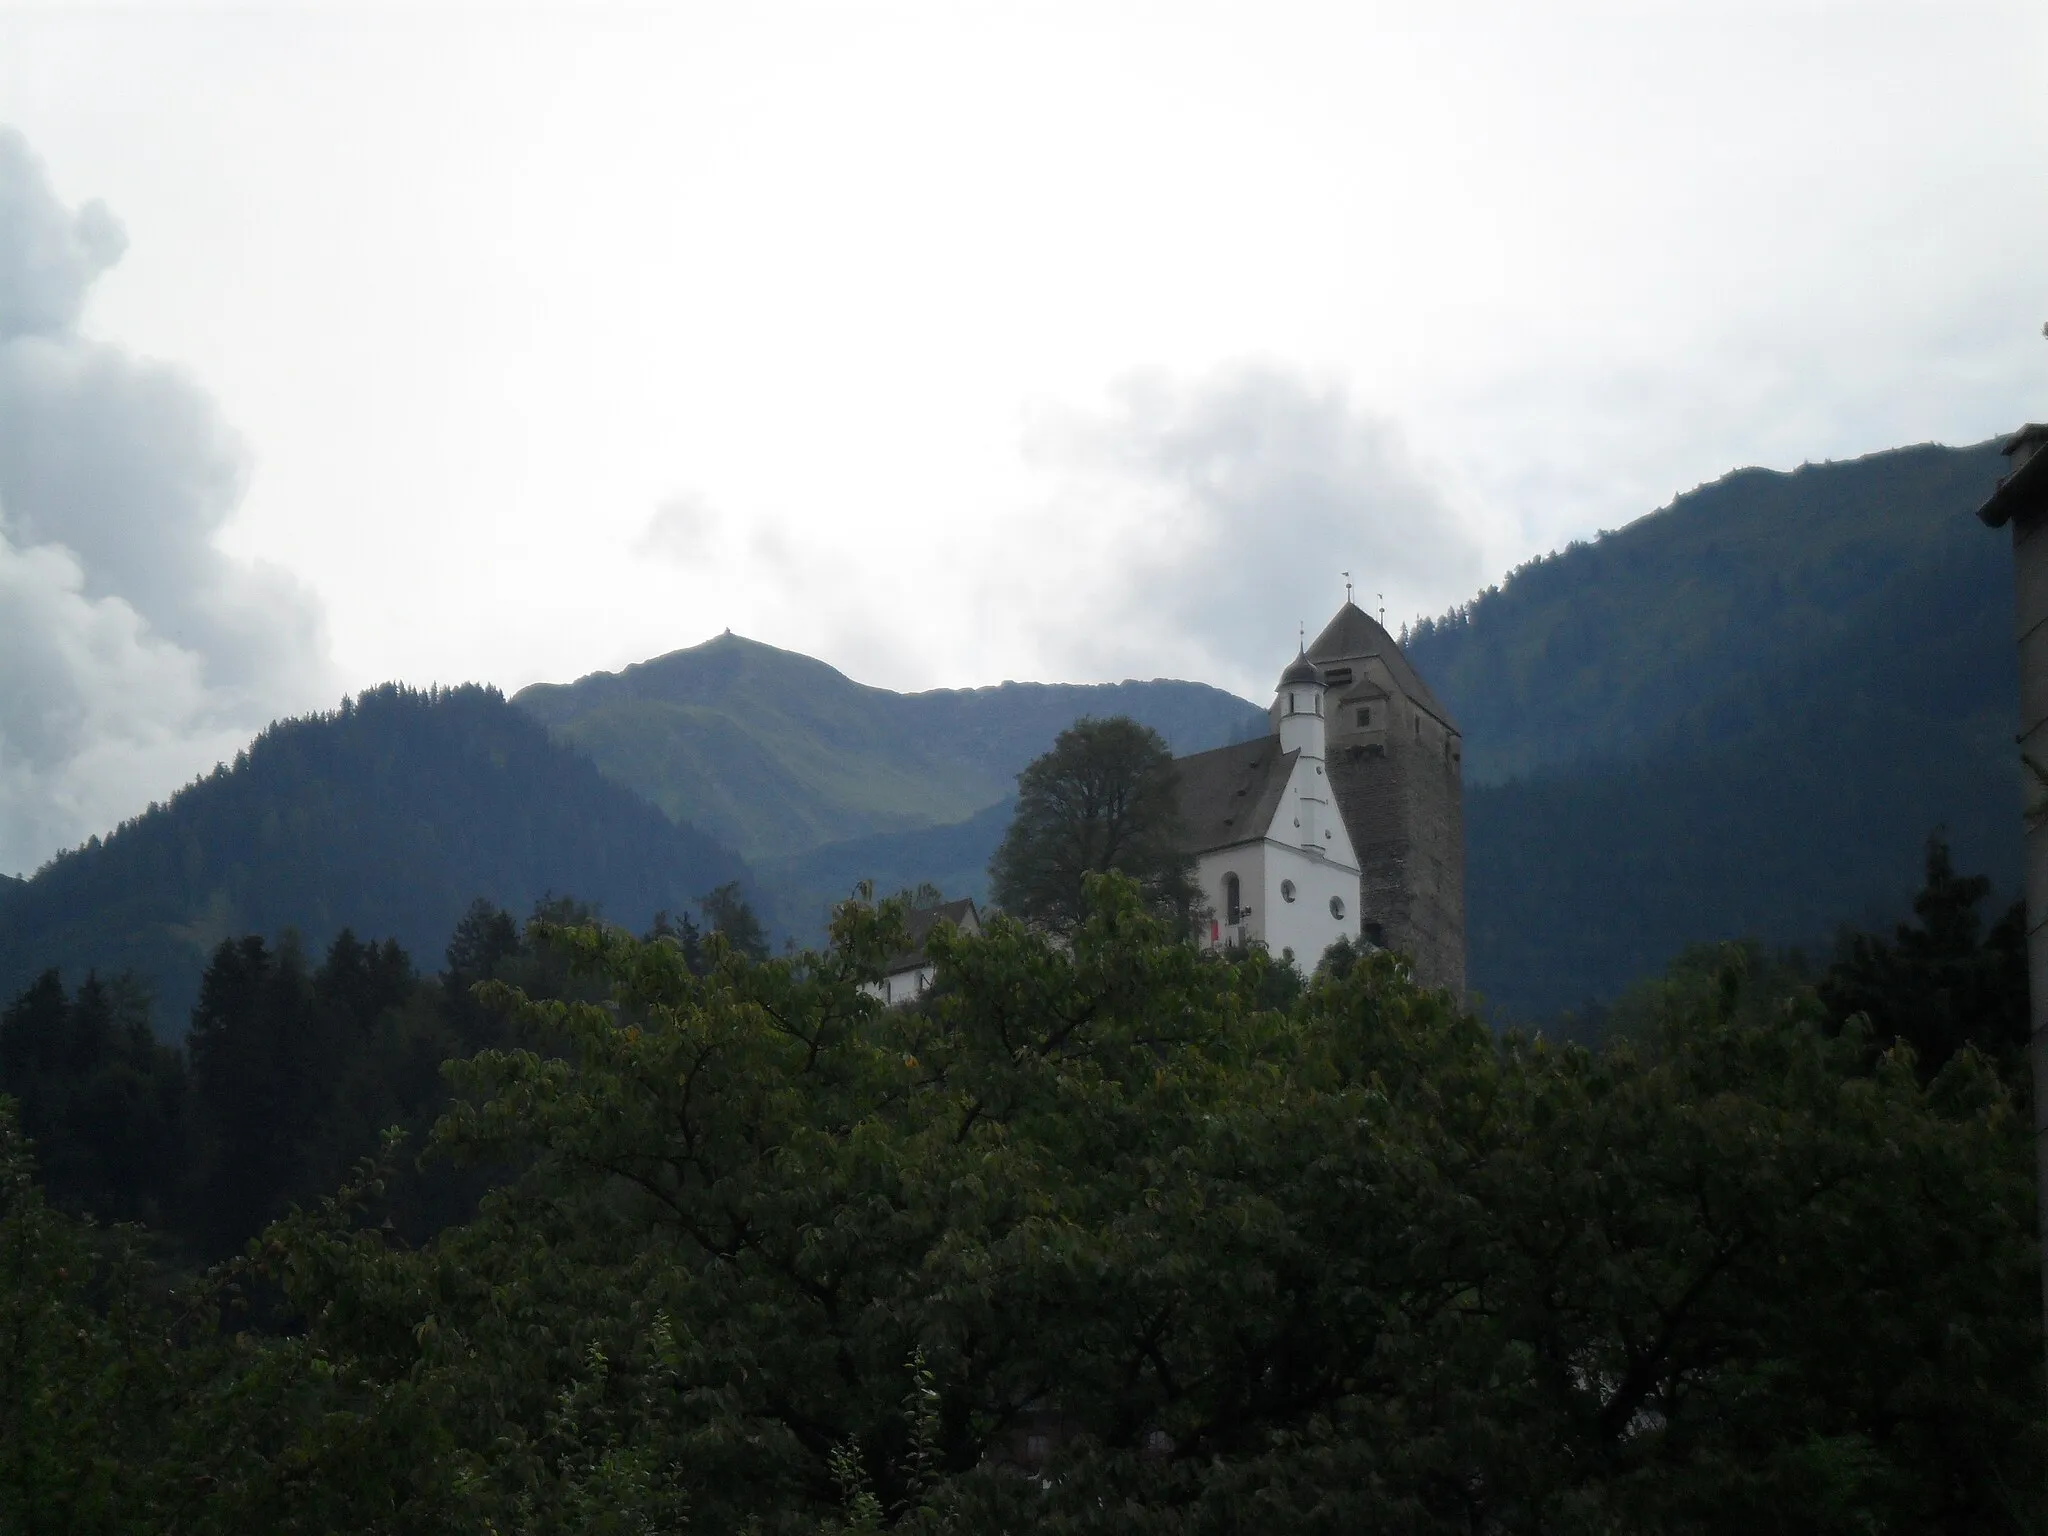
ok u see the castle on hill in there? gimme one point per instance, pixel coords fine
(1347, 821)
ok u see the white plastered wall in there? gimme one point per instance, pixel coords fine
(1306, 925)
(1248, 862)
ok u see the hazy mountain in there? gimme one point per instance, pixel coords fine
(803, 888)
(779, 754)
(1738, 716)
(389, 815)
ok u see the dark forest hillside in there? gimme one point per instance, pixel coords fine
(1665, 631)
(1737, 717)
(390, 815)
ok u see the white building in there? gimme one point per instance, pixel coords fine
(1273, 857)
(907, 975)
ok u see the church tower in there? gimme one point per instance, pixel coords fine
(1395, 764)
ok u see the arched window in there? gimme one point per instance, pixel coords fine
(1233, 912)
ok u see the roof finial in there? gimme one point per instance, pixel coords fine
(1383, 608)
(1301, 636)
(1347, 589)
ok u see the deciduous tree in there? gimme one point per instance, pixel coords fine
(1106, 797)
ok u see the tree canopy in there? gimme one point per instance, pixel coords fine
(1943, 981)
(1106, 797)
(1098, 1237)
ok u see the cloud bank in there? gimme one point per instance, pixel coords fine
(133, 652)
(1233, 505)
(681, 530)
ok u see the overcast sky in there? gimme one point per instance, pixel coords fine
(948, 343)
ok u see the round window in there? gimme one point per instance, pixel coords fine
(1337, 908)
(1287, 890)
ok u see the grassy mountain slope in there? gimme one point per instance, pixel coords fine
(1738, 716)
(779, 754)
(390, 816)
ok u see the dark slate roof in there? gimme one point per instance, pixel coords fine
(960, 914)
(1301, 670)
(1229, 795)
(2026, 486)
(1354, 632)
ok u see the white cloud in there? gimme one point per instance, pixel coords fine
(681, 530)
(1218, 515)
(135, 652)
(816, 268)
(48, 259)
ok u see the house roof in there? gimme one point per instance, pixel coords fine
(1354, 632)
(961, 914)
(1229, 795)
(2027, 486)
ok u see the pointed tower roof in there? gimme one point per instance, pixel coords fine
(1354, 632)
(1301, 670)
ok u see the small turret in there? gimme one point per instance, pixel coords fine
(1300, 708)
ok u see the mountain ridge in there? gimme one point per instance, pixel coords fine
(1737, 716)
(1701, 598)
(778, 753)
(388, 815)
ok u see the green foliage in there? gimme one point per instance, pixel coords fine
(777, 1259)
(295, 1069)
(778, 754)
(396, 810)
(103, 1100)
(727, 912)
(73, 1402)
(1106, 797)
(1941, 984)
(126, 1408)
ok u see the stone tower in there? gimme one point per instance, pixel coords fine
(1394, 757)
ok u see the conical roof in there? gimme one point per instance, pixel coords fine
(1353, 633)
(1299, 671)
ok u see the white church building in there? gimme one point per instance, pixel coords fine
(1273, 857)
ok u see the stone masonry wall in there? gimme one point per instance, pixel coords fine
(1401, 796)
